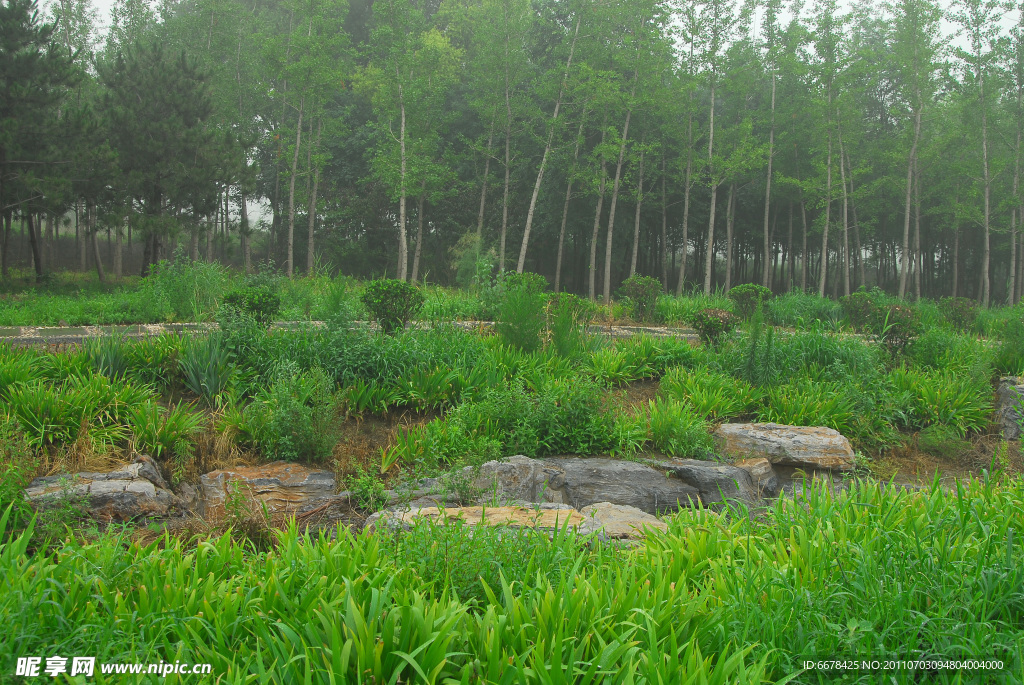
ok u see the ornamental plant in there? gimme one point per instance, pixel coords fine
(392, 303)
(748, 297)
(960, 312)
(713, 324)
(257, 299)
(642, 293)
(896, 326)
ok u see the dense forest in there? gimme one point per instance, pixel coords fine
(705, 143)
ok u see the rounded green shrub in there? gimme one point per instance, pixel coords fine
(642, 293)
(748, 297)
(256, 299)
(860, 309)
(712, 324)
(960, 312)
(392, 303)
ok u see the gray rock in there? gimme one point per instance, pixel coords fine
(810, 447)
(124, 494)
(518, 478)
(588, 481)
(618, 521)
(766, 481)
(1010, 406)
(715, 482)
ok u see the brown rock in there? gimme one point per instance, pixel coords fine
(801, 446)
(539, 517)
(282, 487)
(763, 476)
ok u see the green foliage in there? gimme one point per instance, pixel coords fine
(896, 326)
(678, 431)
(713, 324)
(521, 311)
(960, 312)
(956, 400)
(188, 290)
(642, 293)
(17, 466)
(749, 297)
(164, 432)
(257, 298)
(368, 491)
(712, 394)
(1010, 357)
(206, 367)
(799, 310)
(392, 303)
(292, 419)
(107, 355)
(942, 441)
(810, 404)
(860, 309)
(568, 318)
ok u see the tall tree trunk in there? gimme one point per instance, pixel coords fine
(709, 255)
(917, 232)
(419, 233)
(846, 215)
(290, 261)
(504, 197)
(911, 159)
(95, 244)
(565, 205)
(119, 251)
(611, 209)
(5, 254)
(80, 239)
(729, 207)
(664, 226)
(244, 232)
(597, 219)
(856, 228)
(789, 261)
(312, 202)
(483, 192)
(37, 260)
(986, 249)
(403, 244)
(547, 152)
(767, 190)
(828, 208)
(636, 220)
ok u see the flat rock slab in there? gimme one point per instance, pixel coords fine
(800, 446)
(528, 517)
(619, 522)
(1010, 406)
(281, 486)
(125, 494)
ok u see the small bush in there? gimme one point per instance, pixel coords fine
(187, 290)
(713, 324)
(292, 419)
(960, 312)
(257, 299)
(568, 317)
(748, 298)
(521, 312)
(642, 293)
(896, 326)
(392, 303)
(860, 309)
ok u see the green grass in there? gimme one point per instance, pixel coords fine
(720, 598)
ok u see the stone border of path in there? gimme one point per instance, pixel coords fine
(65, 335)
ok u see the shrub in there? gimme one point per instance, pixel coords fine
(392, 303)
(677, 430)
(292, 419)
(960, 312)
(188, 290)
(748, 298)
(642, 293)
(257, 298)
(521, 312)
(713, 324)
(896, 326)
(568, 317)
(860, 309)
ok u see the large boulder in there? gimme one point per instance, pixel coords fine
(583, 482)
(799, 446)
(1010, 406)
(520, 479)
(131, 492)
(281, 486)
(714, 482)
